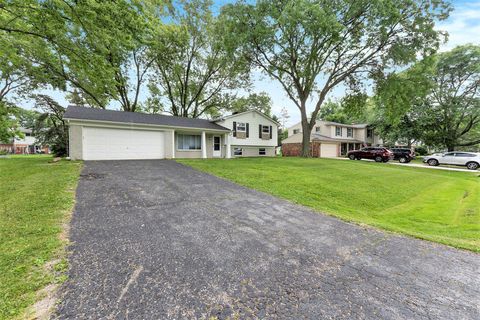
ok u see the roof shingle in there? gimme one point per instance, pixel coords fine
(83, 113)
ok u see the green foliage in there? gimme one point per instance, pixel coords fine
(50, 129)
(436, 101)
(8, 122)
(255, 101)
(30, 229)
(312, 46)
(194, 74)
(436, 205)
(90, 46)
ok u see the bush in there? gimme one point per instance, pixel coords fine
(3, 152)
(421, 151)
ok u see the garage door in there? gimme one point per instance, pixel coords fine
(122, 144)
(328, 150)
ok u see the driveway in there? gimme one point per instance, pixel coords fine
(159, 240)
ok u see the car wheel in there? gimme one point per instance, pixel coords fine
(403, 160)
(351, 157)
(358, 158)
(378, 159)
(472, 165)
(432, 162)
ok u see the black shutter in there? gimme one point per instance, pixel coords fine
(247, 129)
(270, 132)
(234, 129)
(260, 131)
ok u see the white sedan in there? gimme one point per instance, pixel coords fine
(469, 159)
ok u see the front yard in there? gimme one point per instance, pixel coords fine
(436, 205)
(36, 198)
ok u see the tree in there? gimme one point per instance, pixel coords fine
(50, 128)
(95, 47)
(193, 73)
(255, 101)
(284, 116)
(439, 99)
(312, 46)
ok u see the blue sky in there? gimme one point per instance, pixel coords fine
(463, 27)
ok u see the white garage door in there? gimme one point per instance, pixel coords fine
(122, 144)
(328, 150)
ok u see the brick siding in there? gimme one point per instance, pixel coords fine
(295, 149)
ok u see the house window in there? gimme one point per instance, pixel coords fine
(338, 131)
(317, 129)
(369, 133)
(237, 151)
(265, 129)
(262, 151)
(241, 126)
(295, 131)
(189, 142)
(350, 132)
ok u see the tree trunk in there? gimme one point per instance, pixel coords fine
(450, 148)
(305, 139)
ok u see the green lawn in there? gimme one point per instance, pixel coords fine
(36, 197)
(436, 205)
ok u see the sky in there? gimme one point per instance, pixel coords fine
(463, 26)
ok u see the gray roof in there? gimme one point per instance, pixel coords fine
(83, 113)
(358, 125)
(321, 137)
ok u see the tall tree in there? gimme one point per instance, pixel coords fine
(312, 46)
(95, 47)
(255, 101)
(194, 75)
(437, 100)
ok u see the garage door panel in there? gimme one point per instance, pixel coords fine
(120, 144)
(328, 150)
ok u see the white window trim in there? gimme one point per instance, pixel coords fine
(244, 127)
(350, 132)
(268, 129)
(187, 150)
(341, 131)
(237, 155)
(264, 150)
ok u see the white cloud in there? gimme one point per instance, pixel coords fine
(463, 26)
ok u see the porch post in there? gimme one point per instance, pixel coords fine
(228, 152)
(173, 144)
(204, 145)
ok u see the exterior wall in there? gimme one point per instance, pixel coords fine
(296, 138)
(75, 142)
(254, 119)
(168, 145)
(249, 151)
(297, 126)
(295, 149)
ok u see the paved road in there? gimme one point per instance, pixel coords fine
(158, 240)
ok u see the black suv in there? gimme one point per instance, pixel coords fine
(403, 155)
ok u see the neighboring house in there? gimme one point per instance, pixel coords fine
(330, 139)
(25, 145)
(97, 134)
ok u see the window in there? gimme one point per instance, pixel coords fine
(262, 151)
(369, 133)
(295, 131)
(350, 132)
(265, 129)
(241, 126)
(189, 142)
(317, 129)
(338, 131)
(237, 151)
(464, 154)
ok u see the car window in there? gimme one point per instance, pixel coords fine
(449, 154)
(464, 154)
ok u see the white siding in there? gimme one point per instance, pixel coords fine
(254, 119)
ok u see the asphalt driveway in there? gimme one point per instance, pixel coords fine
(158, 240)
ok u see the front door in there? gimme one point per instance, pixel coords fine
(217, 148)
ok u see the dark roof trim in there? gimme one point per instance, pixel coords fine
(93, 114)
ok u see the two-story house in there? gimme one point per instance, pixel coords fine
(97, 134)
(25, 145)
(330, 139)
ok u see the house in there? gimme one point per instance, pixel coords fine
(330, 139)
(97, 134)
(25, 145)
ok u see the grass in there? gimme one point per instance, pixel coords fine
(36, 198)
(436, 205)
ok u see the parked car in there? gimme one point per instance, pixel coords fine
(379, 154)
(403, 155)
(469, 159)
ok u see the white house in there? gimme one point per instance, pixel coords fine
(331, 139)
(97, 134)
